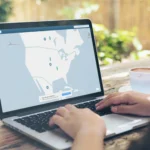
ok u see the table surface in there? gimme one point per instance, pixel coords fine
(114, 77)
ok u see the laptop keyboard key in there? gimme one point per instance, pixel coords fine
(38, 122)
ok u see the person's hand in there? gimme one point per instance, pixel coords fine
(74, 121)
(127, 103)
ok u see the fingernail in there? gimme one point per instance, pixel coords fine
(99, 107)
(114, 109)
(50, 123)
(99, 103)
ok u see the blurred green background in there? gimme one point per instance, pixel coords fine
(121, 27)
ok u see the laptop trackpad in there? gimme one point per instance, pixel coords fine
(114, 121)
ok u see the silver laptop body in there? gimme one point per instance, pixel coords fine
(49, 64)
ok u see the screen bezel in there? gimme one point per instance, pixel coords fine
(48, 24)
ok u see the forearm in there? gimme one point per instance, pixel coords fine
(88, 141)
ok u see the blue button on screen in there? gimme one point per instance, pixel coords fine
(67, 93)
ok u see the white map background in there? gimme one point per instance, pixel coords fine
(49, 56)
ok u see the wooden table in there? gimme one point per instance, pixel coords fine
(114, 77)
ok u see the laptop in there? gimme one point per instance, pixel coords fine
(45, 65)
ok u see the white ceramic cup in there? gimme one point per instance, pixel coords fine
(140, 80)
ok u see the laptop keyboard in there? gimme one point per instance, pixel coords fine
(39, 122)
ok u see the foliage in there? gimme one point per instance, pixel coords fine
(5, 9)
(115, 46)
(77, 11)
(111, 47)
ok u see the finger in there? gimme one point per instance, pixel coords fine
(58, 120)
(70, 107)
(106, 98)
(116, 100)
(123, 109)
(62, 111)
(111, 95)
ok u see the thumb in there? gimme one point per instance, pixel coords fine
(123, 109)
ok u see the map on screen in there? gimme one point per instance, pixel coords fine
(53, 53)
(46, 66)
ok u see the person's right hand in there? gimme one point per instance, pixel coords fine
(127, 103)
(76, 121)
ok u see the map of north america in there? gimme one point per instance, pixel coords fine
(46, 66)
(49, 56)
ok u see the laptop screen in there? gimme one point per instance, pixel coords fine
(46, 64)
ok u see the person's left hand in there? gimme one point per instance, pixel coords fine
(74, 121)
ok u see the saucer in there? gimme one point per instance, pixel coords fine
(125, 88)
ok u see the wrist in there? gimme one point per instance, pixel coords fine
(94, 132)
(88, 139)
